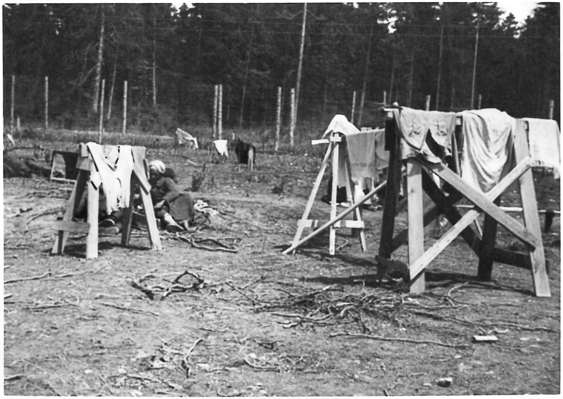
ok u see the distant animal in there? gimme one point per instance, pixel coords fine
(184, 138)
(246, 153)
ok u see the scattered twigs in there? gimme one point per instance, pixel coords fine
(174, 286)
(133, 310)
(141, 288)
(13, 377)
(184, 363)
(44, 275)
(247, 360)
(50, 211)
(406, 340)
(234, 287)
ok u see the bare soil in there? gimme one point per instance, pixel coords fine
(262, 323)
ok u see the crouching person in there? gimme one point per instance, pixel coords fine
(175, 209)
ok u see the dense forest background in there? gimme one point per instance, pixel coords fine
(172, 58)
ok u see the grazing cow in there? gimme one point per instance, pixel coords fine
(183, 137)
(246, 153)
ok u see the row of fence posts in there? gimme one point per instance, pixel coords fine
(217, 129)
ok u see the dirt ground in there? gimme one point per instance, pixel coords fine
(262, 323)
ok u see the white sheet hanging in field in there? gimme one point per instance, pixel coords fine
(543, 138)
(486, 147)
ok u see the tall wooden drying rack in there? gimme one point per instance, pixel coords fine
(139, 183)
(419, 180)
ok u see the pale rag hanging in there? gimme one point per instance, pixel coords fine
(486, 147)
(414, 126)
(360, 149)
(221, 147)
(112, 175)
(543, 138)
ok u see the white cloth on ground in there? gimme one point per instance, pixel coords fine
(114, 177)
(486, 147)
(221, 147)
(543, 138)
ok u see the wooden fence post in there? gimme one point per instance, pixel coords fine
(214, 128)
(101, 113)
(12, 99)
(353, 107)
(124, 129)
(220, 113)
(427, 104)
(278, 119)
(551, 108)
(46, 105)
(292, 118)
(384, 98)
(479, 100)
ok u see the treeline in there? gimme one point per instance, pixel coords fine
(171, 59)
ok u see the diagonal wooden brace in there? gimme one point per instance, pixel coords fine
(463, 223)
(485, 201)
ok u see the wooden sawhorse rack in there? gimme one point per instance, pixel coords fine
(419, 179)
(335, 142)
(86, 166)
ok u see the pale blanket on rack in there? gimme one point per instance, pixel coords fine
(414, 126)
(361, 150)
(543, 138)
(113, 174)
(486, 147)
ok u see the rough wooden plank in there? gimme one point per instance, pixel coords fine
(93, 212)
(332, 231)
(152, 227)
(485, 268)
(336, 219)
(392, 190)
(442, 243)
(70, 226)
(530, 211)
(351, 224)
(415, 222)
(484, 203)
(312, 196)
(357, 212)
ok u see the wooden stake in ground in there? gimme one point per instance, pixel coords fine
(479, 99)
(124, 129)
(353, 107)
(427, 104)
(220, 113)
(278, 119)
(46, 125)
(110, 99)
(12, 98)
(300, 65)
(384, 98)
(101, 113)
(551, 108)
(292, 119)
(215, 95)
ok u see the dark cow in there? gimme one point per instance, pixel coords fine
(246, 153)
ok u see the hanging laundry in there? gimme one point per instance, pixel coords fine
(221, 147)
(361, 149)
(415, 125)
(543, 138)
(486, 147)
(113, 175)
